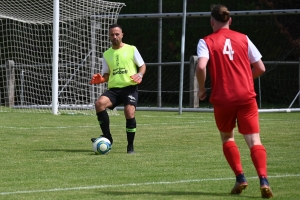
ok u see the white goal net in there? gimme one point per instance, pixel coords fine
(26, 38)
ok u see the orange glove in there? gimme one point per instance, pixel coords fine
(97, 79)
(137, 78)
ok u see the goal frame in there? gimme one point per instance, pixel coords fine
(71, 41)
(55, 41)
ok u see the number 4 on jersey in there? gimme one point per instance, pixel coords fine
(228, 49)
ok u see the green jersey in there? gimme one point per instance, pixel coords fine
(121, 66)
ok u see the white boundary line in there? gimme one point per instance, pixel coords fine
(135, 184)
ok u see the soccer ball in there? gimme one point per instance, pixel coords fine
(101, 146)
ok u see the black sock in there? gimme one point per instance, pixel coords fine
(130, 130)
(103, 120)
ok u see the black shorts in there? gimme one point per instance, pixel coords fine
(127, 95)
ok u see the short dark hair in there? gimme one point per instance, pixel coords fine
(115, 25)
(220, 13)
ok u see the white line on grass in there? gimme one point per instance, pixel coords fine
(135, 184)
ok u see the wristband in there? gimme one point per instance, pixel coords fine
(140, 75)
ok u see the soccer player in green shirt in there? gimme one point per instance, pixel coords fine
(123, 69)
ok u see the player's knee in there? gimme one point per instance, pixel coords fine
(99, 105)
(129, 111)
(102, 104)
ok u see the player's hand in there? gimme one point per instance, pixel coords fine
(97, 79)
(202, 94)
(137, 78)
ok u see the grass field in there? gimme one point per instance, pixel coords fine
(177, 157)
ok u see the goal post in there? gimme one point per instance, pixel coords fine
(55, 38)
(49, 52)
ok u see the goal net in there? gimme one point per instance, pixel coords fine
(26, 32)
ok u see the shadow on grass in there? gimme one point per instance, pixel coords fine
(81, 151)
(66, 150)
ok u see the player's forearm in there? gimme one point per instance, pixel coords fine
(142, 69)
(106, 77)
(201, 77)
(258, 68)
(201, 72)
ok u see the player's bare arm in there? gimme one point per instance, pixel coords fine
(138, 77)
(106, 77)
(201, 76)
(142, 69)
(258, 68)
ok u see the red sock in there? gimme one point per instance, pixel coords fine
(232, 155)
(259, 159)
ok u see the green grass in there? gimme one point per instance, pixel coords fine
(177, 157)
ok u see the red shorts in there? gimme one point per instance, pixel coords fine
(245, 116)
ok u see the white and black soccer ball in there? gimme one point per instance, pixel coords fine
(101, 146)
